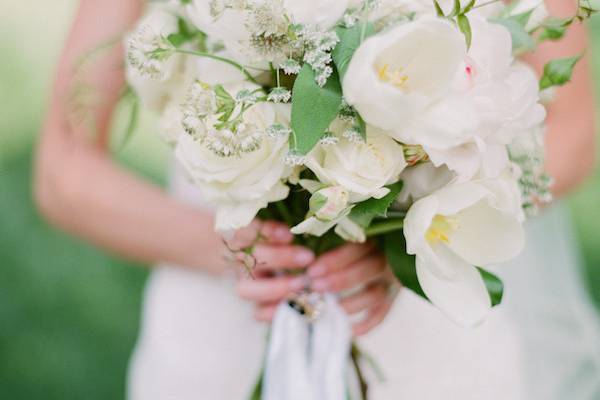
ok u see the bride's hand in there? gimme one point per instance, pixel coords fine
(272, 254)
(362, 269)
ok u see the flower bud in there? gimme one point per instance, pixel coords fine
(329, 203)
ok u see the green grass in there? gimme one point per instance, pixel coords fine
(68, 313)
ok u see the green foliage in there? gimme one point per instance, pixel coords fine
(403, 265)
(558, 72)
(459, 16)
(522, 40)
(313, 109)
(364, 213)
(465, 27)
(554, 29)
(350, 40)
(494, 286)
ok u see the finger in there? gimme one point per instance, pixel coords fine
(276, 258)
(375, 317)
(266, 312)
(275, 232)
(338, 259)
(359, 273)
(269, 290)
(364, 300)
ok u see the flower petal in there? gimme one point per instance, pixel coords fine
(464, 299)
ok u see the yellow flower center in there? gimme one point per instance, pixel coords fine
(440, 229)
(394, 77)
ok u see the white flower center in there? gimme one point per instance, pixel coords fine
(393, 76)
(440, 229)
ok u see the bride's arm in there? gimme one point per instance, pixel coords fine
(570, 139)
(81, 189)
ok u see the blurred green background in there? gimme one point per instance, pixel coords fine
(69, 313)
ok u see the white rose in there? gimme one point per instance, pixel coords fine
(363, 169)
(239, 186)
(456, 229)
(394, 75)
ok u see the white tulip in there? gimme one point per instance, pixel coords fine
(239, 186)
(422, 180)
(493, 98)
(456, 229)
(395, 75)
(363, 169)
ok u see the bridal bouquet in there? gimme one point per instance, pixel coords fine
(411, 123)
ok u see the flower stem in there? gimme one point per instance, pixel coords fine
(384, 227)
(222, 59)
(285, 213)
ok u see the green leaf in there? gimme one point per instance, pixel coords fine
(363, 213)
(521, 39)
(313, 108)
(403, 265)
(350, 40)
(494, 286)
(456, 8)
(465, 27)
(438, 9)
(554, 29)
(469, 7)
(558, 72)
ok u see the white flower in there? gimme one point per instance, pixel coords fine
(329, 207)
(323, 13)
(493, 99)
(153, 80)
(422, 180)
(456, 229)
(363, 169)
(395, 75)
(238, 187)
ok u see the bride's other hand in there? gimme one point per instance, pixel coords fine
(362, 270)
(274, 253)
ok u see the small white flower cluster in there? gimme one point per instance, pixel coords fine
(527, 152)
(214, 118)
(148, 51)
(318, 45)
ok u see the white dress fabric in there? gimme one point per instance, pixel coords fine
(198, 340)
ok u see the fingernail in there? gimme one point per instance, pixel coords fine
(317, 271)
(305, 257)
(298, 283)
(320, 285)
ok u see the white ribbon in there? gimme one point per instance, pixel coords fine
(309, 360)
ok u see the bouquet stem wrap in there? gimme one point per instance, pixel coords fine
(310, 360)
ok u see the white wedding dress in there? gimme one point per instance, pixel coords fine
(199, 341)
